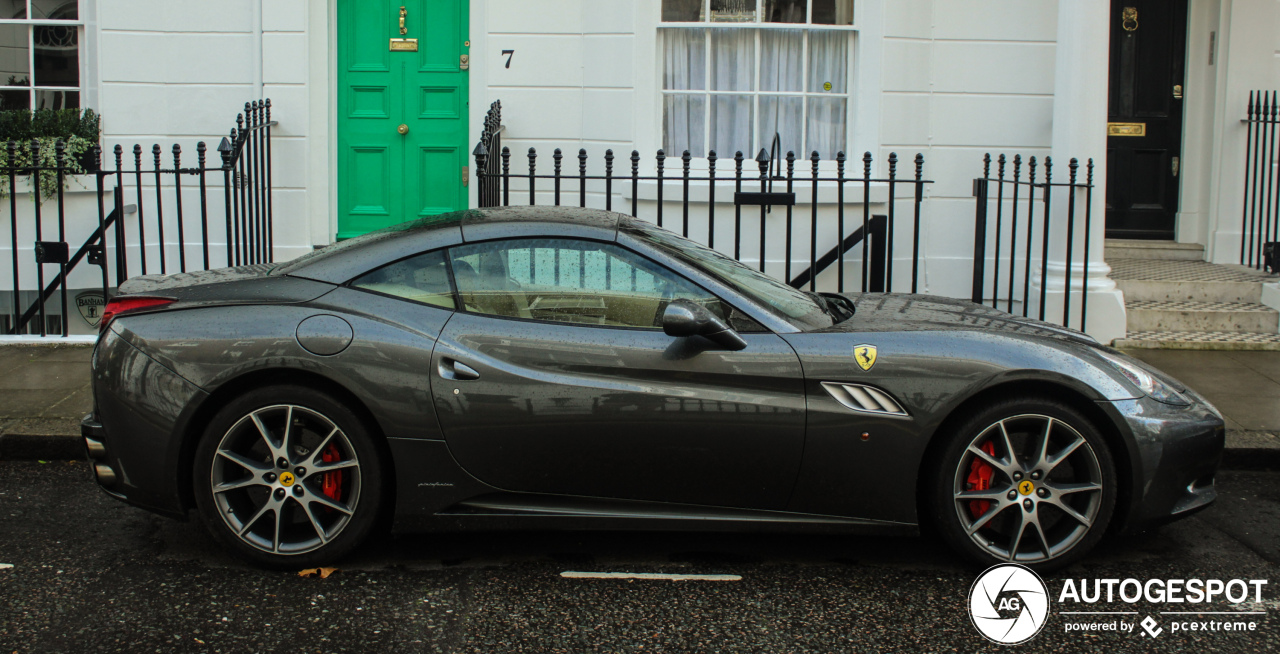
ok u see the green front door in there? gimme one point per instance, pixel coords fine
(402, 114)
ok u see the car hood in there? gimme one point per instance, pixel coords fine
(905, 312)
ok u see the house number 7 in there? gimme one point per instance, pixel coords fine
(508, 53)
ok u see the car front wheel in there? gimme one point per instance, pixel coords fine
(287, 477)
(1027, 481)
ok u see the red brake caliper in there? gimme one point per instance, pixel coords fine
(331, 482)
(980, 479)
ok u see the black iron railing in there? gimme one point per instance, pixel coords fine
(876, 233)
(1029, 199)
(165, 232)
(491, 141)
(1260, 220)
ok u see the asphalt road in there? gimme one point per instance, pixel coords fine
(90, 574)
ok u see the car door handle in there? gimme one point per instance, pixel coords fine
(450, 369)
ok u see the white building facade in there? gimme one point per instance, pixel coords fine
(950, 79)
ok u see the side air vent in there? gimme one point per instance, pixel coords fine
(864, 398)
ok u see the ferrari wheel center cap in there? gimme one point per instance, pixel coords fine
(287, 479)
(1026, 487)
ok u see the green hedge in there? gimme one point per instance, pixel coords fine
(24, 125)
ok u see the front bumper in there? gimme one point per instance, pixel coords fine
(1175, 454)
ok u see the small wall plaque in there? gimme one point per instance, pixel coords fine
(404, 45)
(1126, 129)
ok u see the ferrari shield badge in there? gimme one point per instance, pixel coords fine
(865, 355)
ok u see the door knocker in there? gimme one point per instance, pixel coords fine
(1129, 19)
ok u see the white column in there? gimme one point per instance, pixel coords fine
(1080, 131)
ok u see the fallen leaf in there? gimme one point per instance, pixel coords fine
(323, 572)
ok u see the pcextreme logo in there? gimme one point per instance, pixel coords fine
(1008, 604)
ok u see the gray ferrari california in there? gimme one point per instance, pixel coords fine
(543, 367)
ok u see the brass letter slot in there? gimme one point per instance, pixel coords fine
(404, 45)
(1126, 129)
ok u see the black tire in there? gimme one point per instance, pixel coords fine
(310, 512)
(1050, 500)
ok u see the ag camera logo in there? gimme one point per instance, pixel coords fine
(1009, 604)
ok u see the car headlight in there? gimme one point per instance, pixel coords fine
(1146, 382)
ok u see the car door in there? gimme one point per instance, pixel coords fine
(556, 377)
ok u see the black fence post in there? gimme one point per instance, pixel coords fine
(1072, 167)
(635, 181)
(1044, 229)
(915, 231)
(12, 148)
(608, 181)
(711, 199)
(177, 197)
(684, 159)
(737, 208)
(533, 158)
(556, 157)
(582, 177)
(995, 262)
(201, 150)
(979, 238)
(102, 221)
(60, 156)
(879, 253)
(224, 151)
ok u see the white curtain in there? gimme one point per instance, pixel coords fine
(733, 62)
(822, 126)
(683, 114)
(828, 74)
(782, 69)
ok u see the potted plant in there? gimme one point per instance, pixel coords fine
(80, 130)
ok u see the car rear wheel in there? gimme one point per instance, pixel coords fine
(287, 476)
(1027, 481)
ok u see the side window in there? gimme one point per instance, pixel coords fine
(566, 280)
(423, 278)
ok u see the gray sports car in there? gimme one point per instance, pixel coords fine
(572, 368)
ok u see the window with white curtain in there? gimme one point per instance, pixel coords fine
(738, 72)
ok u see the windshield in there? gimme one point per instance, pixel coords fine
(794, 306)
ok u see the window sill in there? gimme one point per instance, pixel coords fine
(699, 190)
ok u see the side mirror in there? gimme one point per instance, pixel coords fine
(685, 318)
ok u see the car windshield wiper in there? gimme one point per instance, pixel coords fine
(822, 304)
(838, 307)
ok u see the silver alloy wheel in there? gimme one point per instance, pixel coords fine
(1044, 492)
(285, 479)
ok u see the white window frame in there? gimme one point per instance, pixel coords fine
(82, 69)
(861, 94)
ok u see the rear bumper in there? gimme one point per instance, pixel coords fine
(1178, 451)
(133, 439)
(95, 448)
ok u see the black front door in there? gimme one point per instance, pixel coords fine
(1144, 132)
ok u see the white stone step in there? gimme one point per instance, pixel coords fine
(1128, 248)
(1172, 291)
(1186, 281)
(1165, 316)
(1198, 341)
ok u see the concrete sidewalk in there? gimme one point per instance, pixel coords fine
(44, 392)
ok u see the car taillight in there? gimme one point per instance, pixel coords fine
(118, 306)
